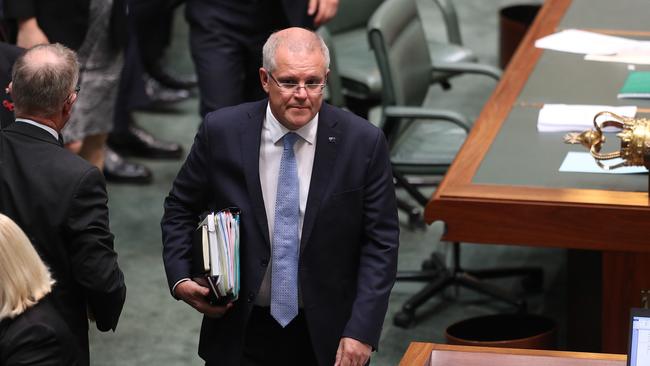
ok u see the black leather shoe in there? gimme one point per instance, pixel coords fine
(171, 81)
(138, 142)
(118, 170)
(161, 95)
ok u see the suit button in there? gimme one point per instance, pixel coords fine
(251, 296)
(264, 262)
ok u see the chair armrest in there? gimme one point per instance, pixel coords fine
(469, 67)
(426, 113)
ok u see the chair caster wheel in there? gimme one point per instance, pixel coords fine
(416, 221)
(429, 264)
(403, 319)
(533, 282)
(434, 263)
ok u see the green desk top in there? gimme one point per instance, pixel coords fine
(608, 14)
(522, 156)
(566, 78)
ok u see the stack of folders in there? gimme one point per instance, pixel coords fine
(216, 255)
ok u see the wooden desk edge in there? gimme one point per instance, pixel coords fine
(419, 352)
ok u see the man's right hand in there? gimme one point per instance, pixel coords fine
(196, 296)
(30, 34)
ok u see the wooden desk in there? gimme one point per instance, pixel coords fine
(431, 354)
(612, 221)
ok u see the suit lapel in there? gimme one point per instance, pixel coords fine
(324, 160)
(250, 136)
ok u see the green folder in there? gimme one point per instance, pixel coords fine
(636, 86)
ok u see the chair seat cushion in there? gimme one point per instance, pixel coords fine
(431, 143)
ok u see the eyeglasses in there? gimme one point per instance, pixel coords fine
(292, 88)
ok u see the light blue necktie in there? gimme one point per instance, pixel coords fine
(286, 248)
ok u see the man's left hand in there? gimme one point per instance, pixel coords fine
(322, 10)
(352, 353)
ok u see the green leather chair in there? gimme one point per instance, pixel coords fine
(360, 79)
(423, 142)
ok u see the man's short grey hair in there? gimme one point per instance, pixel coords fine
(276, 39)
(41, 85)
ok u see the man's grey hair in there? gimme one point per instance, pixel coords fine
(278, 38)
(43, 78)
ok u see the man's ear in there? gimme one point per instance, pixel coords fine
(67, 106)
(264, 79)
(9, 88)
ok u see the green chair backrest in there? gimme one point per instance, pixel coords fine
(352, 14)
(396, 35)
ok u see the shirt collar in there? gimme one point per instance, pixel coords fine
(277, 130)
(46, 128)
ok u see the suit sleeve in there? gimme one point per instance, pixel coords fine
(36, 345)
(378, 259)
(93, 260)
(183, 206)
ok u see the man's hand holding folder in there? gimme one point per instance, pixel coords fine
(197, 297)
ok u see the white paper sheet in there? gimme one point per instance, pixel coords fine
(575, 117)
(638, 55)
(579, 41)
(583, 162)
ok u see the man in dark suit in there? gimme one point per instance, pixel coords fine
(226, 38)
(56, 197)
(319, 229)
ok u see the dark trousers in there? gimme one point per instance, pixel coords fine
(226, 39)
(269, 344)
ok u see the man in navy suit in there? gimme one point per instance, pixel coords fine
(347, 238)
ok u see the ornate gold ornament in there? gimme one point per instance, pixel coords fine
(634, 135)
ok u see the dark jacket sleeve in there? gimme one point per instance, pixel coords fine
(185, 202)
(93, 260)
(378, 260)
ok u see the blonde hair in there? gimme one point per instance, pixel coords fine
(24, 278)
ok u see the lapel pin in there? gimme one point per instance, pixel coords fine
(332, 139)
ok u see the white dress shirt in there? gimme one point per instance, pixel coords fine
(271, 147)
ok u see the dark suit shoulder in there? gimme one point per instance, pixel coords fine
(233, 116)
(39, 336)
(348, 121)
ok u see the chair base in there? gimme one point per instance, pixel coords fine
(440, 277)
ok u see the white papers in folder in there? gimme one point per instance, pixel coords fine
(584, 42)
(215, 271)
(221, 245)
(575, 117)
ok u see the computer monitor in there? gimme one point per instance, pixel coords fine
(638, 353)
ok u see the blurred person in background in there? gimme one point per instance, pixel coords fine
(226, 39)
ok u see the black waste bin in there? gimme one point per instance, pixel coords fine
(514, 21)
(505, 330)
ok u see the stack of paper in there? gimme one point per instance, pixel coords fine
(217, 255)
(575, 117)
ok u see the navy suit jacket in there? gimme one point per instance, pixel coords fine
(350, 232)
